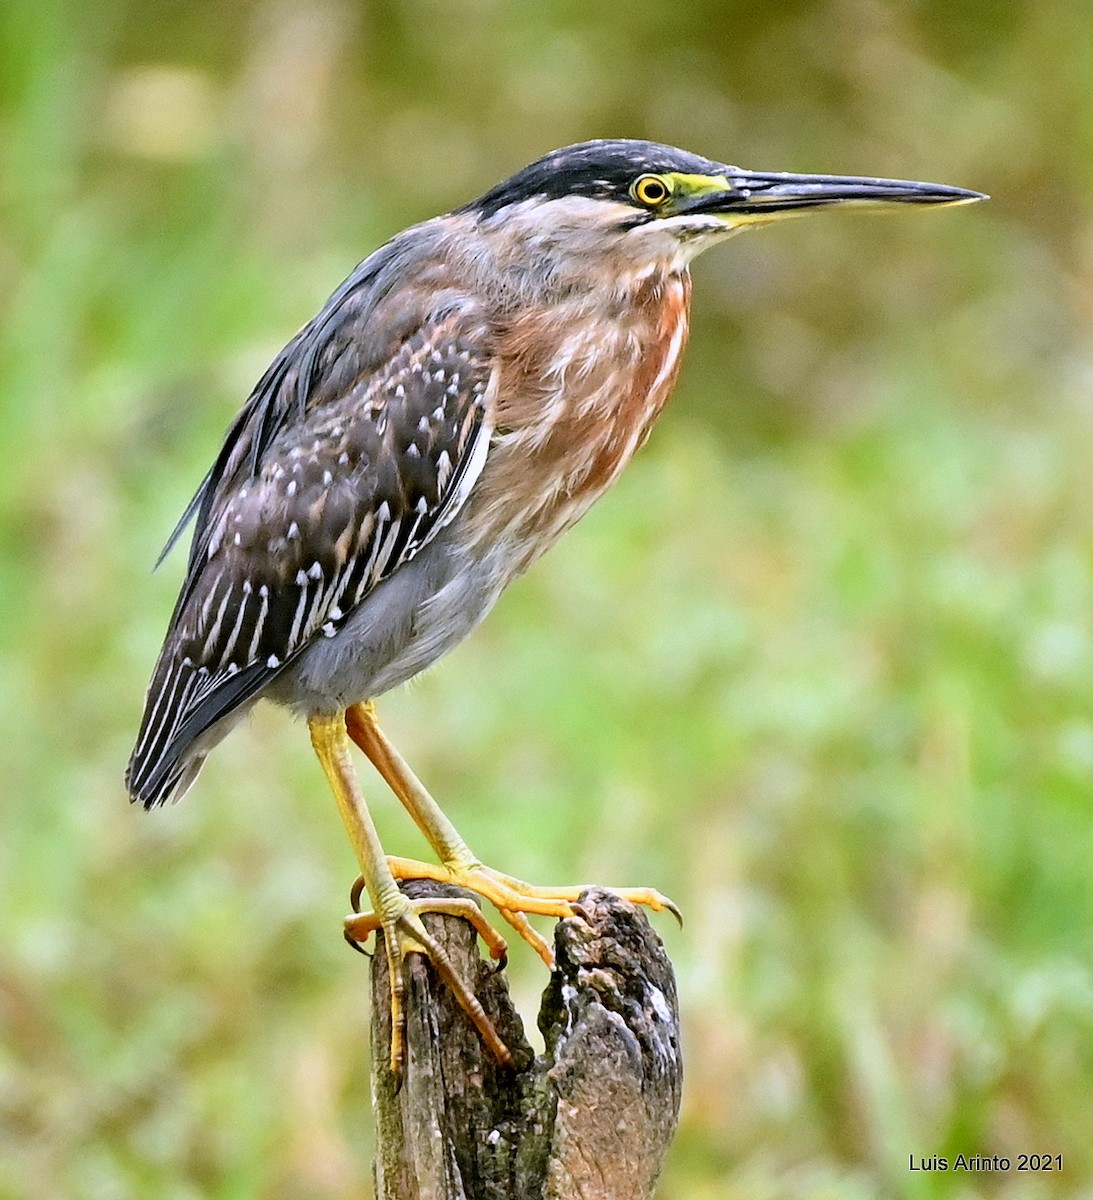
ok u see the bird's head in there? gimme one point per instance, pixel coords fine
(650, 202)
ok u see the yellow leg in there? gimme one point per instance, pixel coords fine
(511, 897)
(398, 916)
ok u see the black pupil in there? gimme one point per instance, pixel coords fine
(653, 190)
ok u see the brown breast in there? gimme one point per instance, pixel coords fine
(581, 385)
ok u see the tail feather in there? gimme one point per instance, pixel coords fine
(171, 783)
(184, 702)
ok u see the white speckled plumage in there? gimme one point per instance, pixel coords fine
(563, 399)
(458, 404)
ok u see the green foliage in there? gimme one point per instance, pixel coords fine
(821, 667)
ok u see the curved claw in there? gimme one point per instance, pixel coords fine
(358, 926)
(404, 933)
(355, 945)
(651, 898)
(513, 897)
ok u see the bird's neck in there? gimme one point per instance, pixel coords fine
(584, 377)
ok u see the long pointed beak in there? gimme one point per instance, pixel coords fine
(754, 197)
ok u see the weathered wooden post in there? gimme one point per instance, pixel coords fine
(589, 1120)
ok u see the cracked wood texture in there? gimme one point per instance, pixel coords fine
(590, 1119)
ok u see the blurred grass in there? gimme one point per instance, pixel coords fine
(821, 667)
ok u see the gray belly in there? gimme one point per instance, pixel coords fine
(404, 625)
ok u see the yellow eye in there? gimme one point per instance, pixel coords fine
(651, 190)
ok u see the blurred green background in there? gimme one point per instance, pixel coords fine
(821, 667)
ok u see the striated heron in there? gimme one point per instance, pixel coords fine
(459, 402)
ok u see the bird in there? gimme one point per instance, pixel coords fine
(458, 404)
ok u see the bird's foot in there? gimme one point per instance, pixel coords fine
(404, 933)
(513, 898)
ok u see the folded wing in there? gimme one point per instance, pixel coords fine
(333, 476)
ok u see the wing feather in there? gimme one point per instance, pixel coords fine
(312, 502)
